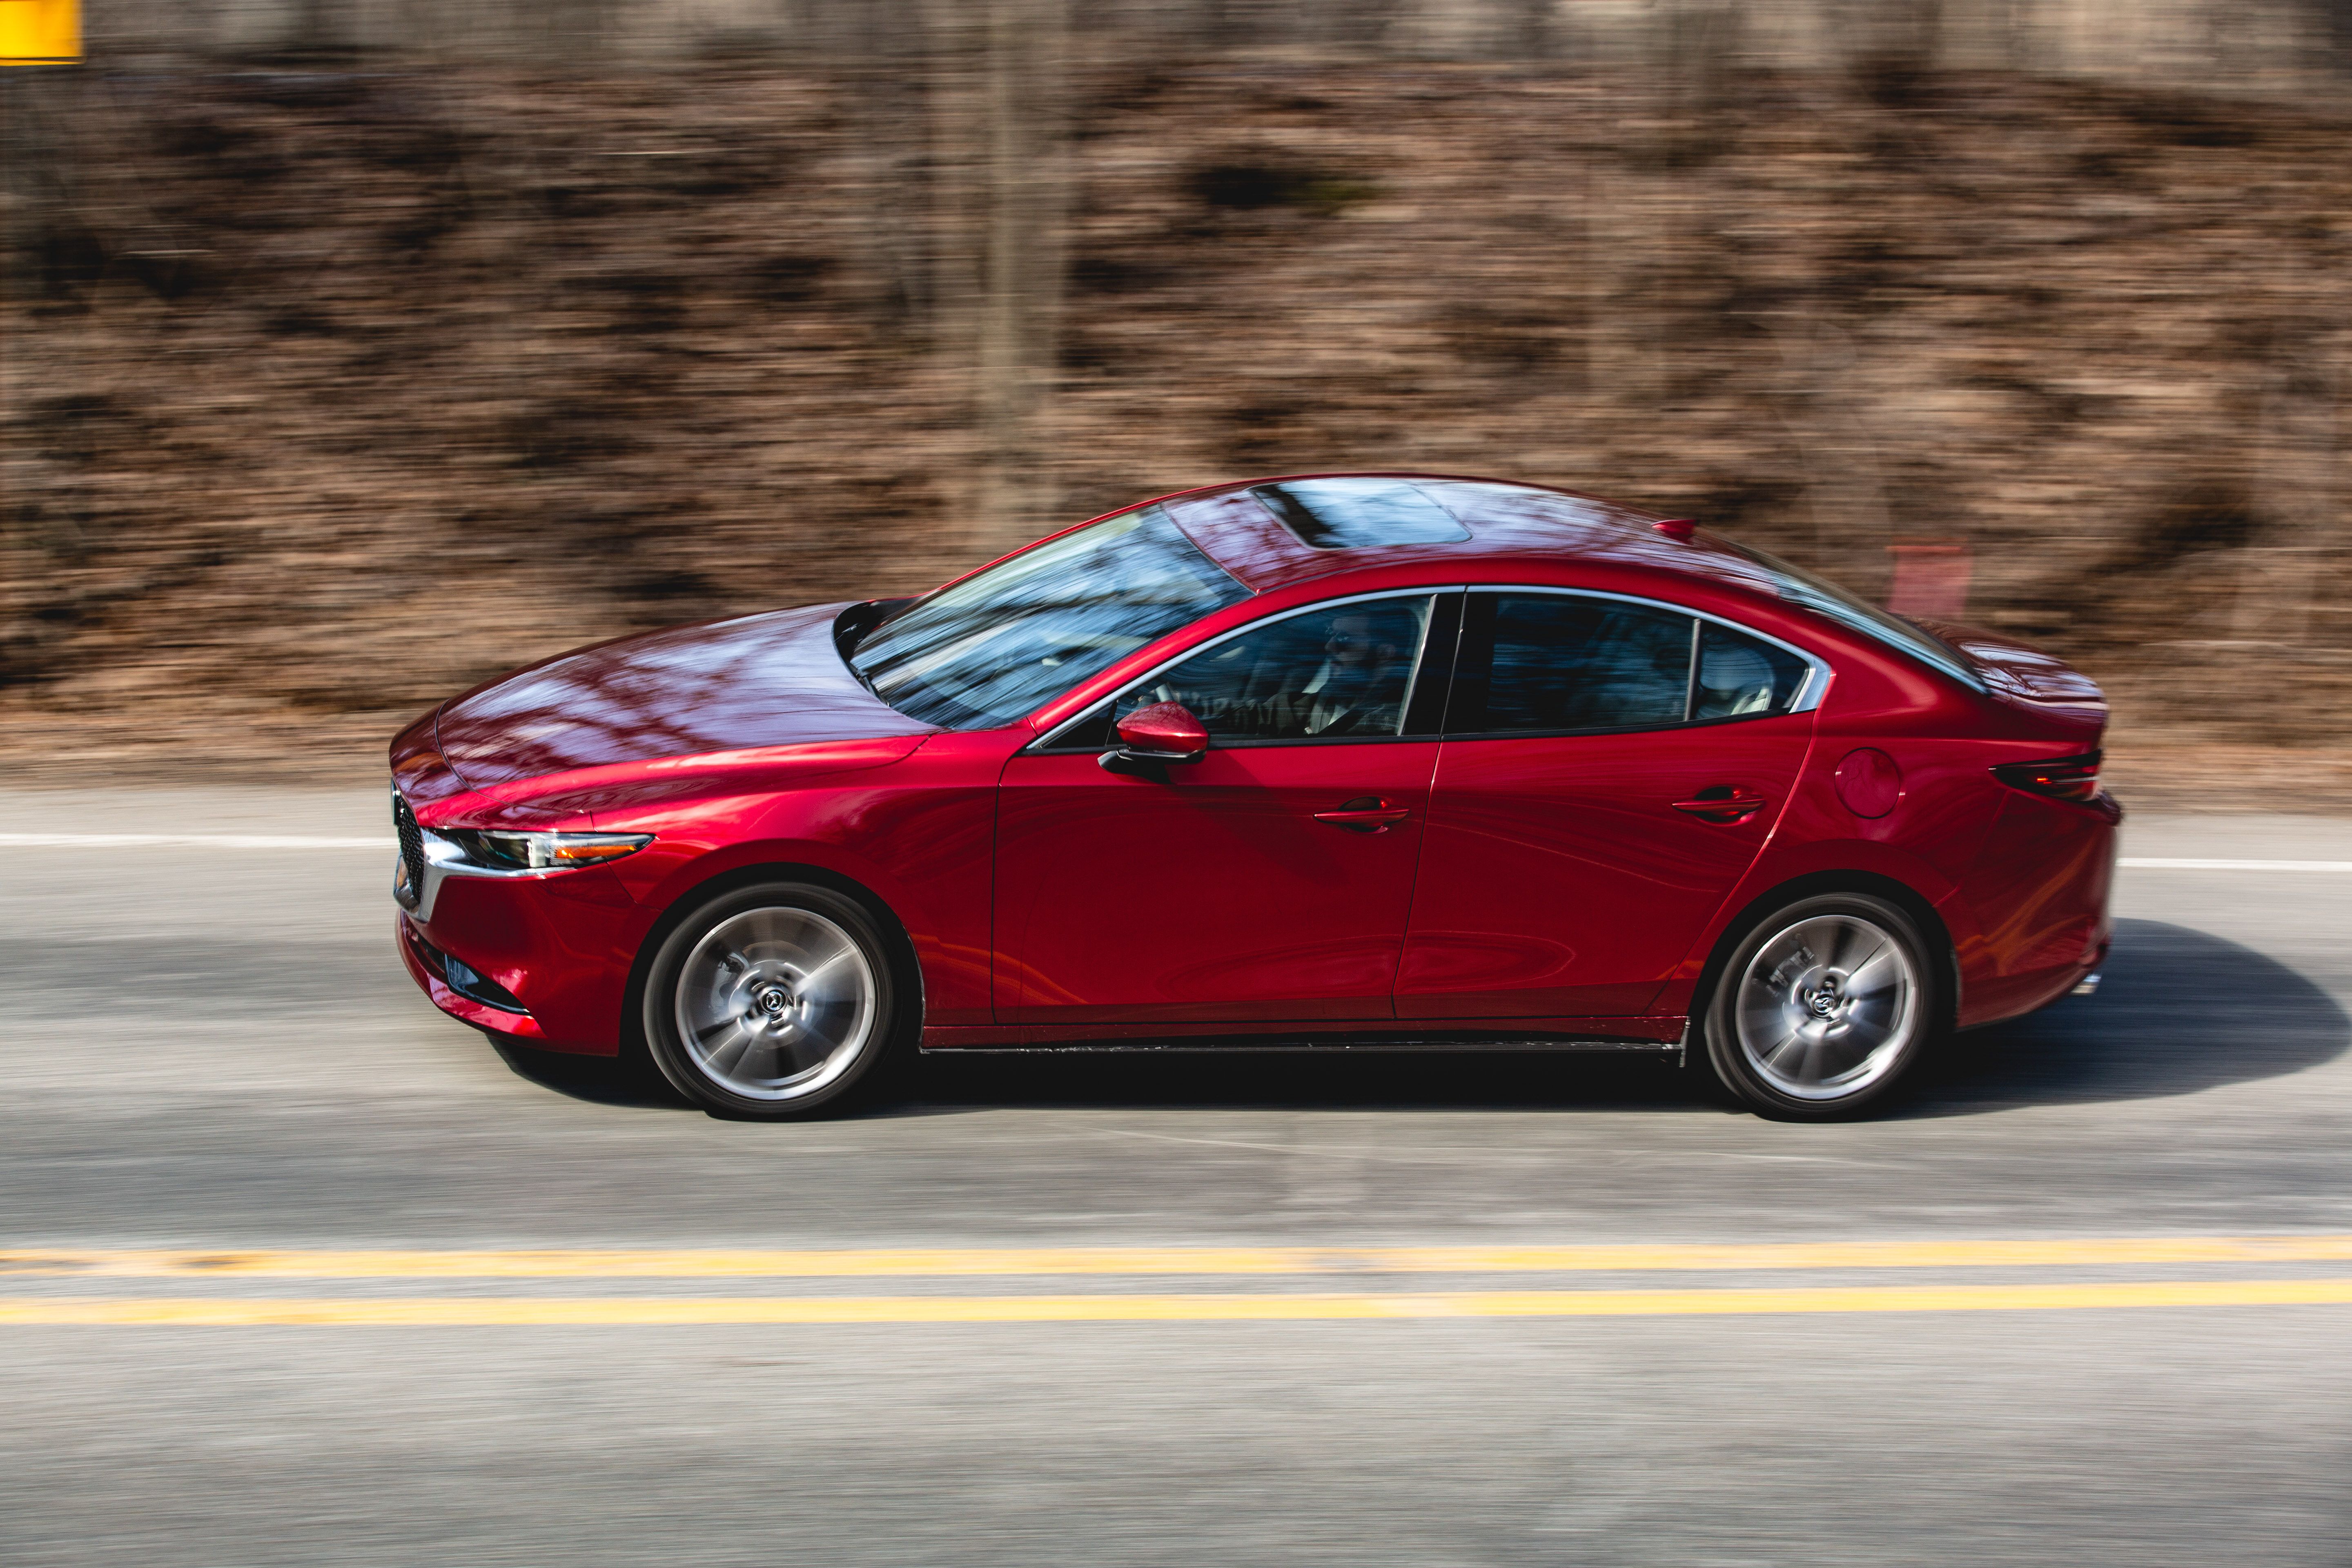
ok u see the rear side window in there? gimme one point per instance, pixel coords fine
(1551, 664)
(1558, 662)
(1740, 678)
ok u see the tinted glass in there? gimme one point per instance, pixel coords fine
(992, 649)
(1356, 514)
(1822, 597)
(1324, 674)
(1739, 676)
(1562, 662)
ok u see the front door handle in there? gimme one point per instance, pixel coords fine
(1723, 805)
(1365, 814)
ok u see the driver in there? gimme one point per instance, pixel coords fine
(1357, 688)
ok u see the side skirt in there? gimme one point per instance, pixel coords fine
(1325, 1043)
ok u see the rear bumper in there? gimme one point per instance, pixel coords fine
(2039, 891)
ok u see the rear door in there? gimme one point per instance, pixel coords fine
(1610, 768)
(1269, 881)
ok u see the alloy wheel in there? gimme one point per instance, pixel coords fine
(775, 1003)
(1827, 1006)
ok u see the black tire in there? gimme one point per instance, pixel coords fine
(1783, 1033)
(779, 1000)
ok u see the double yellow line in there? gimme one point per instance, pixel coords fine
(453, 1311)
(1141, 1262)
(672, 1263)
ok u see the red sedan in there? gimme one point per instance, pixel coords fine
(1349, 762)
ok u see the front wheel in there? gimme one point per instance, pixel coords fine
(1822, 1007)
(773, 1001)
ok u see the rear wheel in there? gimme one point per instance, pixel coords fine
(774, 1001)
(1822, 1007)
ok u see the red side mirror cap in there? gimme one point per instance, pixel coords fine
(1165, 732)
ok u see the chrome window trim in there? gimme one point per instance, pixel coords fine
(1047, 742)
(1810, 692)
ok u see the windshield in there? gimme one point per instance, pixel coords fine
(1819, 595)
(993, 649)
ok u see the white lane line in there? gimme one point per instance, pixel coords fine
(186, 840)
(2151, 863)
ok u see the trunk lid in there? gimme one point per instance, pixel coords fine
(2025, 677)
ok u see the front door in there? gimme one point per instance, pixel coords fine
(1217, 890)
(1575, 848)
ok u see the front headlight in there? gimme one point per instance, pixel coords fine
(498, 850)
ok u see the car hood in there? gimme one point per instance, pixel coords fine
(772, 679)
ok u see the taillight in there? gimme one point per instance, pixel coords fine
(2061, 778)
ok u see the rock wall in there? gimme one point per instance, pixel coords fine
(329, 391)
(2277, 46)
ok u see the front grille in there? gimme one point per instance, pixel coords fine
(411, 886)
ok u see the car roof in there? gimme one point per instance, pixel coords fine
(1501, 518)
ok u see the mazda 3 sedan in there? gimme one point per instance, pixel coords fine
(1342, 761)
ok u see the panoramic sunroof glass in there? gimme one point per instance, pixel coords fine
(1358, 514)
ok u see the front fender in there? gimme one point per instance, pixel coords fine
(916, 833)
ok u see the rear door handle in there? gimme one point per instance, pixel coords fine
(1365, 813)
(1721, 805)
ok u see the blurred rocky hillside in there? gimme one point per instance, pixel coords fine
(331, 388)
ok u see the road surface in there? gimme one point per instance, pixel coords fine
(294, 1271)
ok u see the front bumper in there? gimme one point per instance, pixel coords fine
(560, 945)
(426, 967)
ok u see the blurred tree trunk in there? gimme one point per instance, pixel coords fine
(892, 88)
(1025, 179)
(51, 252)
(573, 31)
(2295, 490)
(1890, 45)
(1645, 213)
(1699, 51)
(1528, 30)
(2335, 30)
(322, 27)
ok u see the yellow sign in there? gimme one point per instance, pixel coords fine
(40, 32)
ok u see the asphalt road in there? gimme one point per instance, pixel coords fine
(209, 1049)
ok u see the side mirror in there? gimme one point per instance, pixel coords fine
(1151, 738)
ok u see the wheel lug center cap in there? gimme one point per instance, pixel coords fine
(772, 1000)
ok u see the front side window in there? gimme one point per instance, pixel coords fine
(992, 649)
(1344, 671)
(1551, 664)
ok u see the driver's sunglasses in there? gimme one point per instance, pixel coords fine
(1348, 642)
